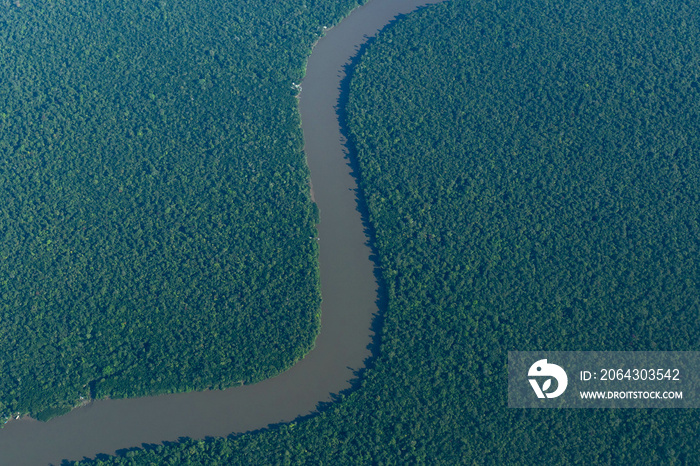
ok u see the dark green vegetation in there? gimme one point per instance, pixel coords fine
(531, 170)
(155, 215)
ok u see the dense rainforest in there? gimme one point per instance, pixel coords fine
(531, 172)
(156, 229)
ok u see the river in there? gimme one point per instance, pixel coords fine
(348, 287)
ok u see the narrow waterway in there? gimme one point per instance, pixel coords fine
(348, 288)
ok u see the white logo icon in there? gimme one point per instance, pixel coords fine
(542, 369)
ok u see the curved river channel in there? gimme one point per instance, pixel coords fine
(348, 288)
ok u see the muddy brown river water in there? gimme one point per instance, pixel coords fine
(348, 287)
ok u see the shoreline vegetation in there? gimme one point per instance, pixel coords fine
(156, 217)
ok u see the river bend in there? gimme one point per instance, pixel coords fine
(348, 288)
